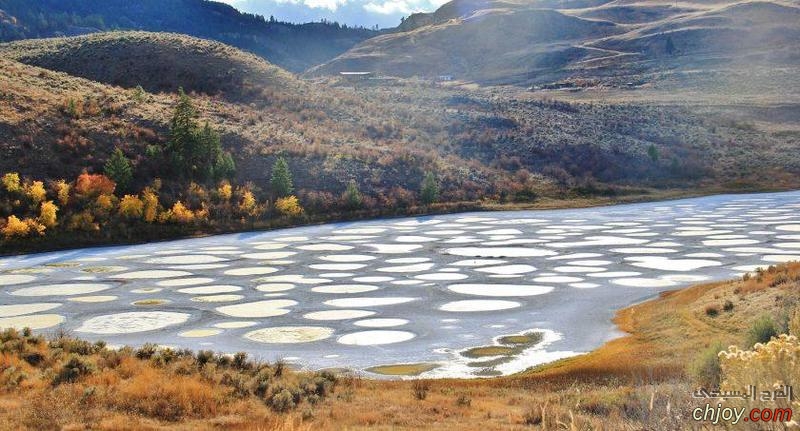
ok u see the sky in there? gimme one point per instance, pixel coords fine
(367, 13)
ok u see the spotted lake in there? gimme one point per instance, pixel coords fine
(414, 290)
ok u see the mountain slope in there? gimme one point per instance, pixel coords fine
(480, 144)
(158, 62)
(294, 47)
(545, 42)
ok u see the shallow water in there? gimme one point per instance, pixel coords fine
(404, 290)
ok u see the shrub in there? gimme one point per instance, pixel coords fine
(712, 311)
(352, 197)
(130, 206)
(62, 192)
(463, 400)
(765, 366)
(420, 389)
(762, 330)
(728, 306)
(47, 214)
(11, 182)
(282, 401)
(36, 192)
(288, 206)
(72, 370)
(150, 205)
(104, 204)
(92, 185)
(706, 368)
(225, 191)
(16, 228)
(179, 214)
(84, 221)
(794, 322)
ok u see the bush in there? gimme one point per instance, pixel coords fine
(288, 206)
(420, 389)
(762, 330)
(706, 368)
(794, 322)
(11, 182)
(71, 371)
(47, 214)
(91, 185)
(130, 206)
(728, 306)
(712, 311)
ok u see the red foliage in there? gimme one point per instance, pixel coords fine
(90, 185)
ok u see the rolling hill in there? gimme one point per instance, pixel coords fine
(539, 43)
(67, 104)
(294, 47)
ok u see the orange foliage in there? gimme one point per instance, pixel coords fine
(90, 185)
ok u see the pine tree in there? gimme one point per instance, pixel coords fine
(119, 169)
(281, 180)
(652, 152)
(430, 189)
(181, 134)
(352, 197)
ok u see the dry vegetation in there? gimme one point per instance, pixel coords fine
(641, 381)
(484, 147)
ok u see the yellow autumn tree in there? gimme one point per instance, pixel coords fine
(248, 205)
(36, 192)
(47, 214)
(288, 206)
(104, 205)
(150, 201)
(62, 191)
(225, 191)
(15, 228)
(130, 206)
(179, 213)
(11, 182)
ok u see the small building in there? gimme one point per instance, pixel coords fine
(444, 78)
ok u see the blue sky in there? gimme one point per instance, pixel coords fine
(384, 13)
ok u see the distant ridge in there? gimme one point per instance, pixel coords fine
(294, 47)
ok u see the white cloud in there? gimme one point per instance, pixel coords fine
(391, 7)
(331, 5)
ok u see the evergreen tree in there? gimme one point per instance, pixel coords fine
(430, 189)
(119, 169)
(281, 180)
(181, 134)
(195, 153)
(352, 197)
(224, 167)
(652, 152)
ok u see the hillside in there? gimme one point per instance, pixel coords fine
(158, 62)
(73, 104)
(608, 44)
(294, 47)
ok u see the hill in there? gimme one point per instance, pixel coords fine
(294, 47)
(158, 62)
(354, 151)
(607, 43)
